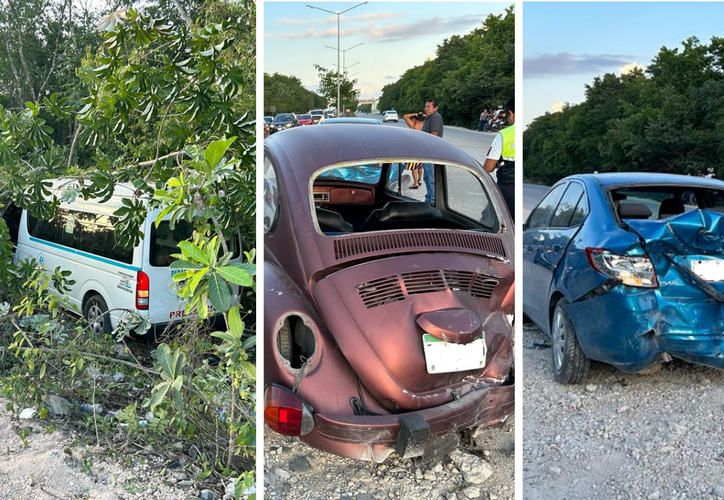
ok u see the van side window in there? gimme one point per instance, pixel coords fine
(87, 232)
(12, 221)
(164, 242)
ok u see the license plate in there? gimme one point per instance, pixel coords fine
(446, 357)
(709, 270)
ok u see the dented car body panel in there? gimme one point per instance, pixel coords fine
(633, 327)
(359, 303)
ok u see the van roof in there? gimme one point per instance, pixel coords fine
(122, 190)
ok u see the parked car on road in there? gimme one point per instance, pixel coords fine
(305, 120)
(283, 121)
(387, 319)
(317, 114)
(627, 269)
(390, 116)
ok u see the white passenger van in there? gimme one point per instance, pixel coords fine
(108, 277)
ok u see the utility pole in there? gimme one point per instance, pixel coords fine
(339, 68)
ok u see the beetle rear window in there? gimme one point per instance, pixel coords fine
(399, 195)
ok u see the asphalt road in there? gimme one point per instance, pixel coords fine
(532, 194)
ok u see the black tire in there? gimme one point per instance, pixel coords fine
(95, 311)
(570, 364)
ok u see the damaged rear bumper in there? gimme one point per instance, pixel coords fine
(633, 329)
(374, 437)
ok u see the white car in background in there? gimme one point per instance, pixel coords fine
(390, 116)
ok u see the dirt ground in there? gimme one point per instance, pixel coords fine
(619, 435)
(294, 470)
(55, 465)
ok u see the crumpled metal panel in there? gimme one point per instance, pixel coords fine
(633, 328)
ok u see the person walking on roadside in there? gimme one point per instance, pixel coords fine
(432, 125)
(415, 122)
(501, 155)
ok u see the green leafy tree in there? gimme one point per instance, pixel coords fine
(168, 107)
(288, 95)
(468, 74)
(669, 118)
(328, 88)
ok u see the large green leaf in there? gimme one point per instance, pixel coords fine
(236, 326)
(235, 275)
(190, 250)
(246, 266)
(215, 152)
(164, 358)
(219, 292)
(158, 393)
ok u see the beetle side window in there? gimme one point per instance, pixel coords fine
(467, 195)
(271, 196)
(567, 205)
(539, 217)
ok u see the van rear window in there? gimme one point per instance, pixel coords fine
(87, 232)
(164, 242)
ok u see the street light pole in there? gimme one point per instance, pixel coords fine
(339, 72)
(344, 53)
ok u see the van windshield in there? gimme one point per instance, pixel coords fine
(164, 242)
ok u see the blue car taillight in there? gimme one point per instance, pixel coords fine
(631, 270)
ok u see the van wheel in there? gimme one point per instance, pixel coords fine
(570, 364)
(95, 312)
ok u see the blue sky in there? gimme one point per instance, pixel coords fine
(565, 45)
(396, 36)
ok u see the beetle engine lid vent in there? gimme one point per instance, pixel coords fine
(423, 282)
(394, 288)
(477, 284)
(380, 291)
(374, 243)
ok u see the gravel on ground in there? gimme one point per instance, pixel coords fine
(486, 471)
(55, 464)
(621, 436)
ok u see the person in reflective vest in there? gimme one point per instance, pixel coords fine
(501, 156)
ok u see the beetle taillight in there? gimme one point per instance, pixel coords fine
(285, 412)
(142, 291)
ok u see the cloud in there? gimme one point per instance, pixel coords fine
(557, 106)
(391, 32)
(347, 19)
(390, 77)
(564, 63)
(630, 67)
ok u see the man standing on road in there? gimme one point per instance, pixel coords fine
(502, 155)
(433, 125)
(483, 120)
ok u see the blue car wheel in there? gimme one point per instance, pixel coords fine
(570, 364)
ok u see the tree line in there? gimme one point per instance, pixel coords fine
(288, 95)
(668, 118)
(468, 74)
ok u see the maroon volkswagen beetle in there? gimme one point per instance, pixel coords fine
(387, 320)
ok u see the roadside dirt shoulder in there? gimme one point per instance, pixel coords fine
(55, 465)
(621, 436)
(294, 470)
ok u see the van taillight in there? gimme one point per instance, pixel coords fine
(285, 412)
(142, 290)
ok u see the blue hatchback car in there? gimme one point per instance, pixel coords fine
(627, 269)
